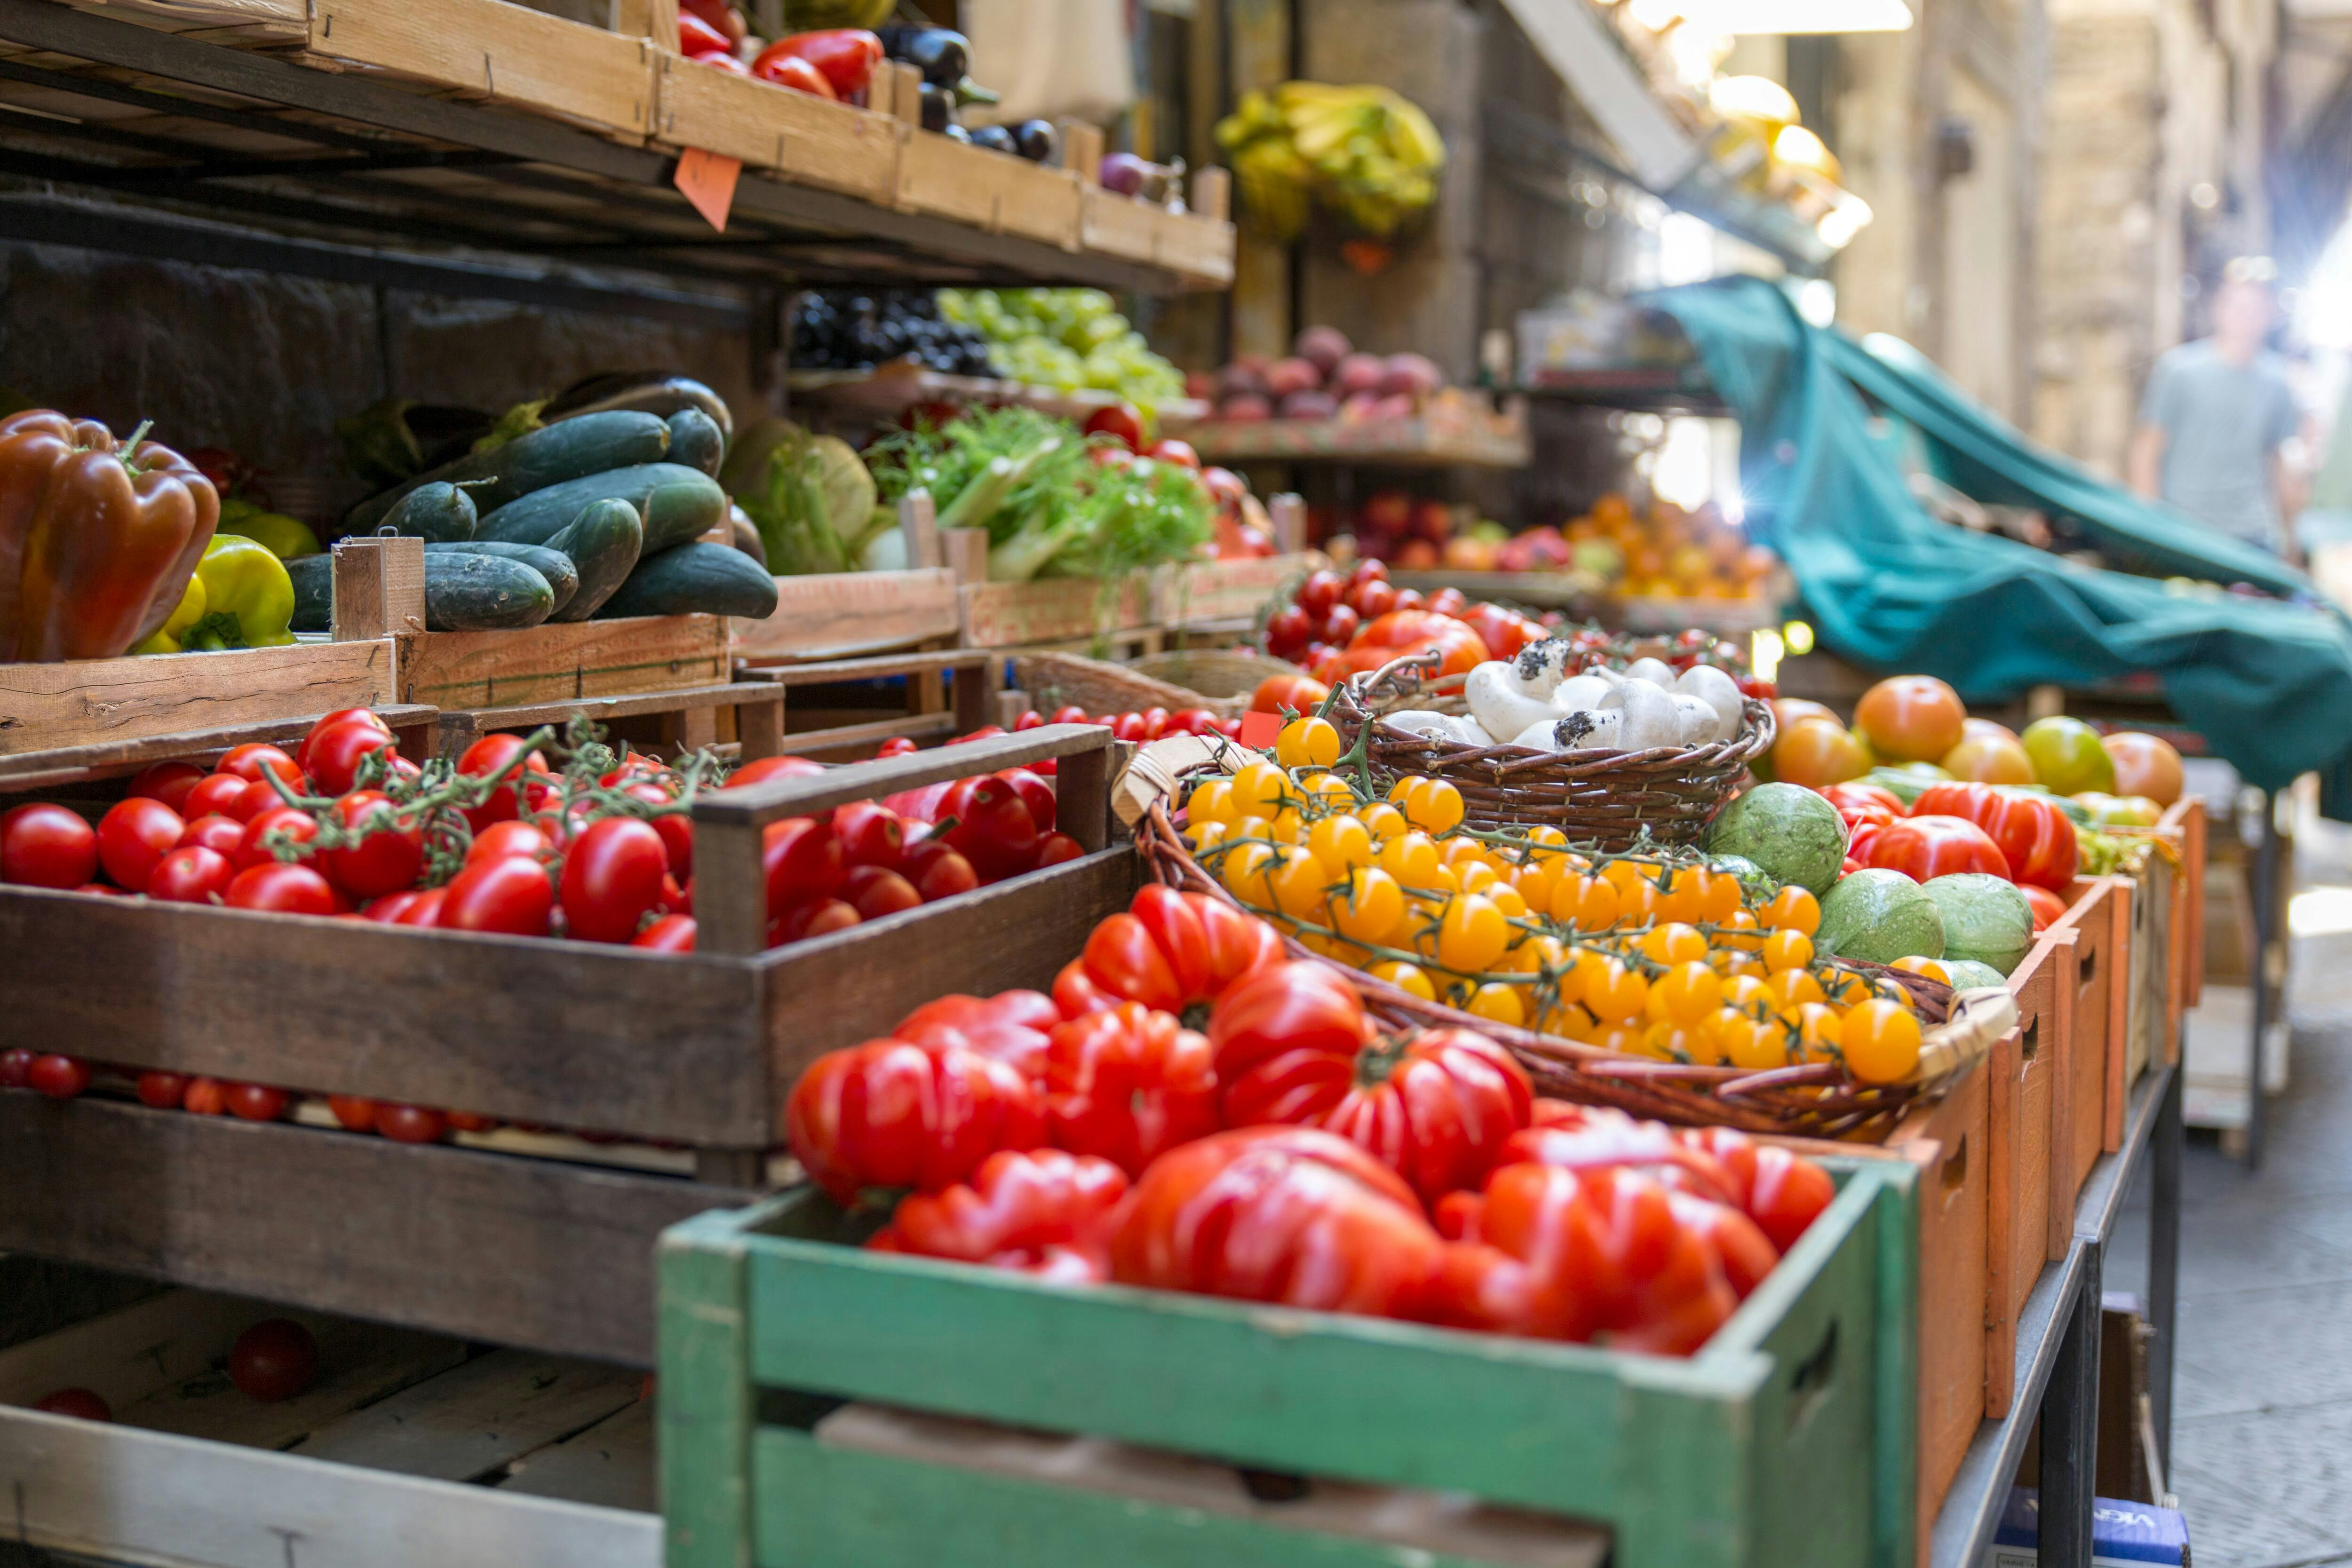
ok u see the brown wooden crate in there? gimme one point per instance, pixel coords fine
(852, 612)
(800, 137)
(84, 702)
(572, 659)
(1053, 610)
(1201, 248)
(2017, 1204)
(232, 22)
(991, 191)
(2188, 815)
(505, 53)
(2095, 1029)
(534, 1253)
(1226, 589)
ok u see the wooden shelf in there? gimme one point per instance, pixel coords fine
(889, 389)
(1635, 389)
(1455, 430)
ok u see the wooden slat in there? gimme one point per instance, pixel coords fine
(458, 730)
(359, 1363)
(1228, 589)
(475, 1419)
(1198, 248)
(800, 138)
(863, 738)
(773, 799)
(64, 764)
(2023, 1071)
(852, 612)
(87, 702)
(563, 659)
(524, 1252)
(828, 671)
(610, 1464)
(126, 1355)
(506, 53)
(1017, 614)
(992, 191)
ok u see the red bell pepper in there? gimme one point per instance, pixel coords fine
(844, 56)
(2035, 835)
(1925, 848)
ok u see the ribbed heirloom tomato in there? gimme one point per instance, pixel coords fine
(1922, 847)
(1127, 1086)
(1403, 631)
(1169, 950)
(2035, 835)
(889, 1114)
(1041, 1211)
(1014, 1026)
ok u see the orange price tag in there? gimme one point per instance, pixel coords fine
(1259, 730)
(709, 182)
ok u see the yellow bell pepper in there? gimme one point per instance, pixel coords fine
(166, 637)
(282, 535)
(248, 598)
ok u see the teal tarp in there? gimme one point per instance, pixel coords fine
(2268, 683)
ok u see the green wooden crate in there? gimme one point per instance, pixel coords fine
(1788, 1440)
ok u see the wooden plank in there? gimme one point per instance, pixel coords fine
(561, 1033)
(1198, 248)
(2059, 1038)
(194, 1501)
(563, 660)
(773, 799)
(67, 764)
(1227, 589)
(459, 730)
(378, 588)
(508, 54)
(359, 1363)
(852, 612)
(2099, 977)
(797, 137)
(1016, 615)
(2119, 1012)
(2023, 1075)
(525, 1252)
(862, 738)
(88, 702)
(126, 1355)
(610, 1464)
(477, 1419)
(825, 672)
(995, 192)
(707, 1402)
(1950, 1143)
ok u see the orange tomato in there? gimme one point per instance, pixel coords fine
(1403, 631)
(1911, 719)
(2144, 766)
(1817, 752)
(1787, 711)
(1985, 729)
(1989, 759)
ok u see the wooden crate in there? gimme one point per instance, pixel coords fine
(1053, 610)
(748, 715)
(1232, 590)
(996, 192)
(557, 662)
(796, 136)
(834, 615)
(2188, 815)
(2029, 1226)
(407, 1448)
(85, 702)
(934, 710)
(1785, 1440)
(502, 52)
(2091, 1109)
(1194, 243)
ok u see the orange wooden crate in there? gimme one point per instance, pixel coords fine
(2188, 815)
(2025, 1229)
(2093, 1027)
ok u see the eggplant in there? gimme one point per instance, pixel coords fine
(1037, 140)
(956, 133)
(995, 138)
(942, 54)
(939, 108)
(645, 391)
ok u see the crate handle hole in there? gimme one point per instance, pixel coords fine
(1956, 1170)
(2089, 971)
(1276, 1486)
(1814, 1379)
(2030, 1042)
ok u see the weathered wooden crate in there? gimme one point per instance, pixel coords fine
(2188, 815)
(1230, 589)
(1054, 610)
(84, 703)
(1196, 243)
(838, 614)
(1785, 1440)
(2090, 1112)
(994, 192)
(747, 715)
(560, 662)
(2030, 1225)
(792, 135)
(935, 709)
(406, 1447)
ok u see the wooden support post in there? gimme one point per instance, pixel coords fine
(1083, 784)
(918, 519)
(900, 92)
(689, 730)
(973, 682)
(731, 889)
(966, 553)
(759, 727)
(1011, 705)
(1287, 512)
(1212, 193)
(379, 589)
(1082, 149)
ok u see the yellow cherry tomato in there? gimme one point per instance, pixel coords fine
(1329, 787)
(1624, 876)
(1686, 896)
(1880, 1042)
(1548, 845)
(1307, 743)
(1459, 852)
(1432, 805)
(1687, 993)
(1674, 943)
(1472, 935)
(1260, 790)
(1405, 977)
(1739, 932)
(1505, 897)
(1817, 1031)
(1611, 992)
(1793, 987)
(1474, 876)
(1718, 896)
(1410, 858)
(1301, 887)
(1206, 836)
(1210, 803)
(1641, 903)
(1758, 1044)
(1787, 948)
(1747, 993)
(1620, 1038)
(1372, 908)
(1846, 989)
(1445, 878)
(1341, 842)
(1244, 873)
(1793, 909)
(1539, 954)
(1931, 968)
(1713, 1035)
(1499, 1002)
(1671, 1042)
(1289, 826)
(1534, 884)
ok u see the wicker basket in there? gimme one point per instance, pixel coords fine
(1815, 1099)
(1055, 680)
(1213, 672)
(1610, 799)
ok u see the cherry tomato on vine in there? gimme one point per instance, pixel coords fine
(256, 1102)
(163, 1091)
(16, 1067)
(327, 722)
(58, 1077)
(169, 783)
(409, 1123)
(191, 874)
(488, 757)
(387, 860)
(297, 825)
(510, 894)
(337, 751)
(671, 933)
(214, 831)
(135, 834)
(284, 890)
(804, 860)
(249, 762)
(871, 834)
(612, 879)
(48, 846)
(874, 891)
(214, 794)
(352, 1113)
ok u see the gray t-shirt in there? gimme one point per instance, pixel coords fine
(2222, 422)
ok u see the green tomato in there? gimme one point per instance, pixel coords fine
(2067, 757)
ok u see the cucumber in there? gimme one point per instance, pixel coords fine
(435, 513)
(570, 449)
(314, 592)
(675, 503)
(468, 593)
(694, 441)
(562, 575)
(696, 579)
(606, 540)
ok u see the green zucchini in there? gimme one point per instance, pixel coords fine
(468, 593)
(675, 503)
(570, 449)
(562, 575)
(694, 441)
(437, 512)
(696, 579)
(606, 540)
(314, 592)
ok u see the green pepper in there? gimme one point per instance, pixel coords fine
(284, 537)
(248, 598)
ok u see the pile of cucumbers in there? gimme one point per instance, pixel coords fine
(598, 515)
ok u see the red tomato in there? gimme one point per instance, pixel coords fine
(1178, 453)
(16, 1067)
(1295, 693)
(1129, 726)
(58, 1077)
(697, 36)
(1505, 631)
(2046, 905)
(1127, 1086)
(612, 879)
(844, 56)
(282, 889)
(256, 798)
(426, 911)
(996, 832)
(1410, 598)
(387, 860)
(1168, 951)
(1369, 569)
(214, 831)
(1070, 714)
(1402, 631)
(274, 1359)
(1055, 849)
(191, 874)
(81, 1403)
(768, 767)
(352, 1113)
(1339, 626)
(205, 1097)
(1286, 1214)
(489, 756)
(1372, 599)
(1859, 803)
(791, 71)
(297, 825)
(671, 933)
(2035, 835)
(804, 860)
(1319, 592)
(1910, 718)
(1922, 847)
(1783, 1193)
(1225, 487)
(897, 746)
(214, 795)
(256, 1102)
(870, 834)
(887, 1113)
(812, 917)
(502, 839)
(48, 846)
(337, 751)
(132, 836)
(409, 1123)
(163, 1091)
(1039, 1211)
(1288, 629)
(676, 828)
(387, 910)
(1120, 420)
(875, 892)
(940, 872)
(250, 760)
(1183, 721)
(328, 721)
(1030, 719)
(510, 894)
(1010, 1027)
(168, 782)
(1448, 602)
(1155, 722)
